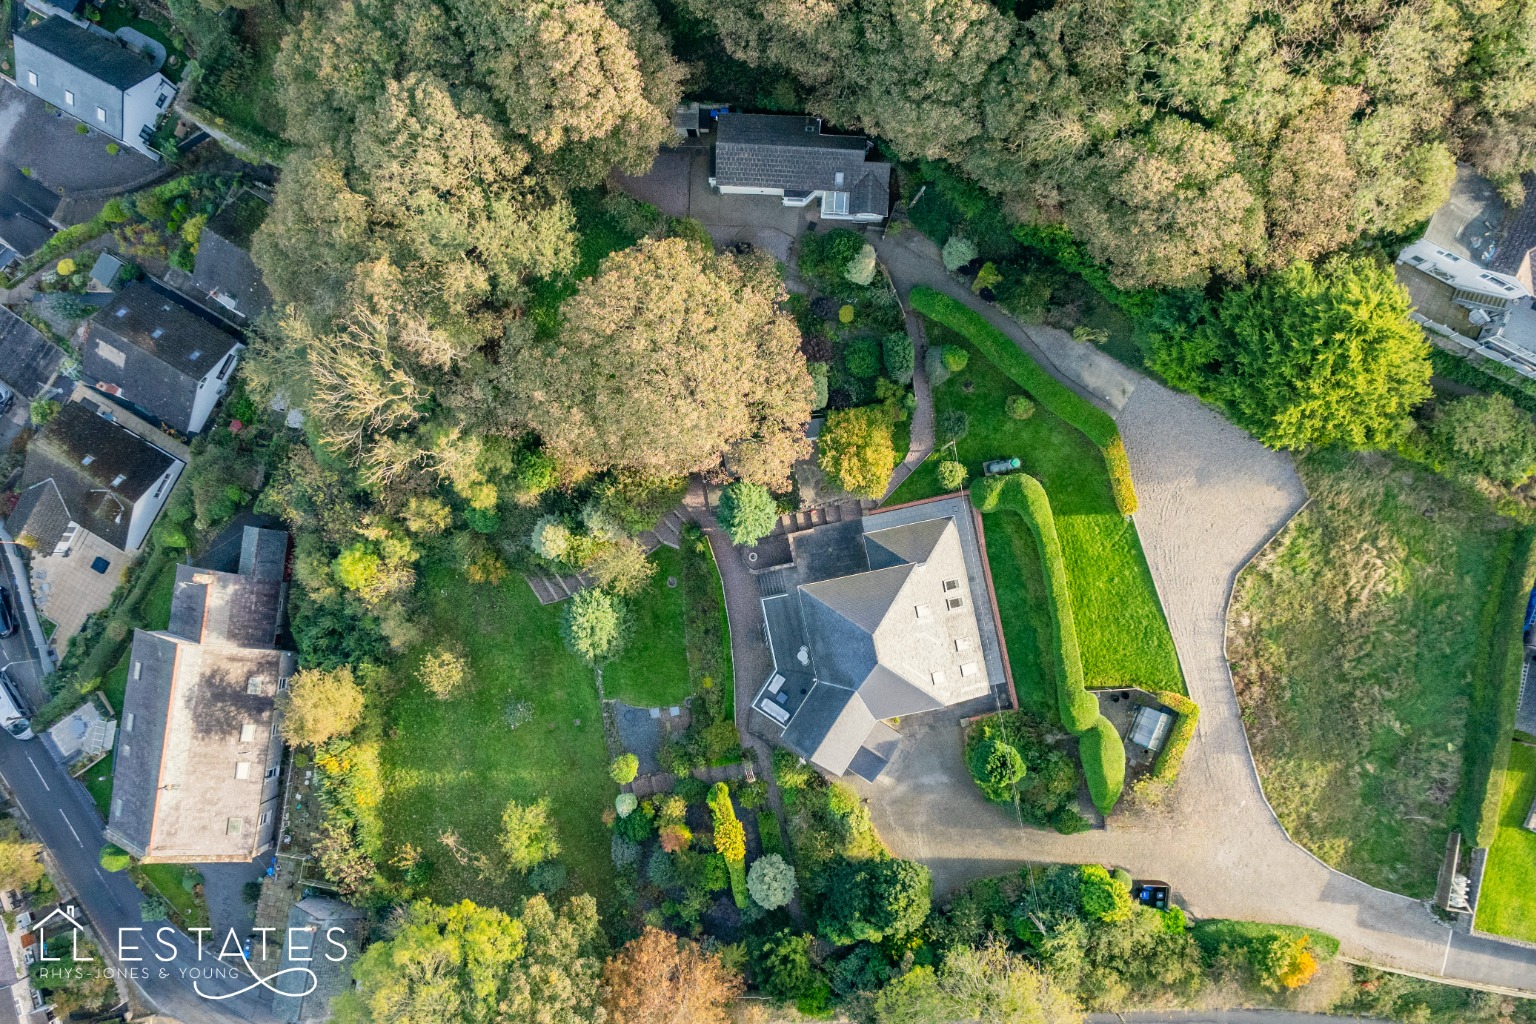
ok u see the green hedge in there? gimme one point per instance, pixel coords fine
(1166, 767)
(1496, 691)
(1103, 763)
(1102, 752)
(1061, 400)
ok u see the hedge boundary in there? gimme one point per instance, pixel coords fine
(1501, 651)
(1099, 745)
(1166, 767)
(1096, 424)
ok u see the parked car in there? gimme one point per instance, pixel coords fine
(13, 709)
(7, 399)
(8, 619)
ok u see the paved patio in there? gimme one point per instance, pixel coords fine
(68, 589)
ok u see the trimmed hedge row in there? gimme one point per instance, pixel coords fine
(1496, 693)
(1169, 759)
(1095, 423)
(1103, 755)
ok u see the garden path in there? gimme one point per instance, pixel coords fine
(1211, 497)
(922, 415)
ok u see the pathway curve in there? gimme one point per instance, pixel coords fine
(1211, 497)
(922, 414)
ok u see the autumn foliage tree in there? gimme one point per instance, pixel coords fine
(320, 705)
(857, 451)
(670, 361)
(661, 979)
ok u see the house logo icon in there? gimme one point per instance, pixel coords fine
(69, 915)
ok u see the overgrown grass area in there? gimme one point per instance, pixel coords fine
(707, 629)
(450, 767)
(598, 233)
(98, 782)
(653, 670)
(1356, 640)
(1506, 904)
(1124, 636)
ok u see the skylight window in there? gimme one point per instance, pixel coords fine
(158, 332)
(194, 353)
(117, 480)
(120, 312)
(951, 585)
(968, 669)
(954, 604)
(87, 460)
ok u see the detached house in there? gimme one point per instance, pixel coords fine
(27, 212)
(224, 270)
(871, 620)
(90, 491)
(95, 78)
(198, 750)
(788, 155)
(154, 352)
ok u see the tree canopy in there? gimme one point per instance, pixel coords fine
(670, 361)
(661, 979)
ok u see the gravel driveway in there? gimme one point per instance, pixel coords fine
(1211, 497)
(60, 157)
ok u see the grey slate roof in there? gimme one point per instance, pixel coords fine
(27, 210)
(307, 942)
(1513, 256)
(263, 553)
(96, 69)
(28, 361)
(224, 266)
(882, 639)
(789, 152)
(154, 349)
(98, 494)
(105, 270)
(89, 55)
(202, 696)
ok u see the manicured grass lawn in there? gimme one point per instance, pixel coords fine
(452, 766)
(167, 878)
(1507, 904)
(653, 670)
(1354, 641)
(98, 783)
(1124, 636)
(1017, 576)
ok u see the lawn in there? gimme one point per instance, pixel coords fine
(1124, 636)
(1507, 903)
(653, 671)
(98, 782)
(169, 880)
(1018, 577)
(452, 766)
(1355, 641)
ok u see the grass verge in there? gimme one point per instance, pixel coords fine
(450, 767)
(1507, 903)
(189, 910)
(1121, 629)
(1356, 641)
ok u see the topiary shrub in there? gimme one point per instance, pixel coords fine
(1020, 408)
(845, 315)
(771, 882)
(933, 362)
(625, 804)
(958, 251)
(624, 769)
(862, 357)
(956, 358)
(951, 425)
(951, 475)
(818, 372)
(900, 360)
(1103, 757)
(747, 511)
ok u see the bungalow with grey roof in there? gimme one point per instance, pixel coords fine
(788, 155)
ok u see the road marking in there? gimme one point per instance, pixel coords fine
(40, 776)
(1447, 958)
(72, 829)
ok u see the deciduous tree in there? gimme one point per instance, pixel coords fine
(320, 705)
(661, 979)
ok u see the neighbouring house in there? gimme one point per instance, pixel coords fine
(95, 78)
(90, 491)
(788, 155)
(1470, 276)
(29, 362)
(195, 779)
(105, 271)
(323, 935)
(158, 354)
(224, 270)
(873, 619)
(28, 209)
